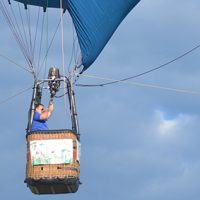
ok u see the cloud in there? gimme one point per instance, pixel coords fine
(171, 124)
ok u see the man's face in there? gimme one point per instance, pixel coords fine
(40, 109)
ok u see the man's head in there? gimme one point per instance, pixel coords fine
(39, 108)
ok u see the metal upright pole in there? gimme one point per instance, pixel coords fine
(36, 98)
(74, 118)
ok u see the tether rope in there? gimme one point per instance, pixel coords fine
(153, 69)
(142, 85)
(63, 54)
(15, 95)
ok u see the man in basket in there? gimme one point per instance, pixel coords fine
(41, 116)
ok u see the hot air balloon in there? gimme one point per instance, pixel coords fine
(53, 156)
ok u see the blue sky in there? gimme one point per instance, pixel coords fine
(138, 142)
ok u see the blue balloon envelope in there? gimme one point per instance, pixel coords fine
(95, 21)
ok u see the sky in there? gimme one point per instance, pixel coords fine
(140, 139)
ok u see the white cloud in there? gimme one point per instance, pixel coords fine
(173, 124)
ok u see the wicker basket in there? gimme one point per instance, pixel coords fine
(52, 177)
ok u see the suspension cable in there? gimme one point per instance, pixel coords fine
(62, 38)
(28, 19)
(49, 47)
(72, 50)
(46, 42)
(40, 46)
(19, 33)
(23, 26)
(26, 38)
(14, 30)
(13, 62)
(36, 32)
